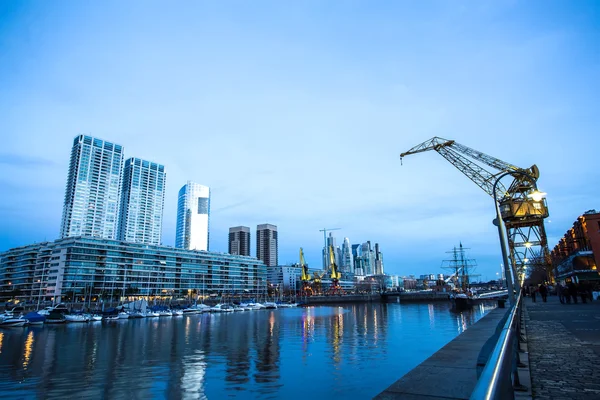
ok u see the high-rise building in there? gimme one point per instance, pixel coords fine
(347, 261)
(356, 258)
(266, 244)
(92, 196)
(378, 261)
(142, 202)
(193, 216)
(325, 252)
(239, 241)
(368, 257)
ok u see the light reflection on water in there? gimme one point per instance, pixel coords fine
(353, 351)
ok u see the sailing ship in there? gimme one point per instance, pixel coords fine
(462, 271)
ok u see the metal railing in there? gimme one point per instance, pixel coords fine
(499, 378)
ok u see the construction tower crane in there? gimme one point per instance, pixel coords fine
(523, 214)
(305, 275)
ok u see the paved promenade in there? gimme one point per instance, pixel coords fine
(564, 349)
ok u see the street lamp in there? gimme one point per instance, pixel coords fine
(536, 195)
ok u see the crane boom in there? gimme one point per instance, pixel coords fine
(305, 275)
(438, 144)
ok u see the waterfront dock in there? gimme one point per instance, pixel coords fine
(451, 373)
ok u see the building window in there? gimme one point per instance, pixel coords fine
(202, 205)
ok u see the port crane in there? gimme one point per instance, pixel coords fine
(521, 207)
(304, 275)
(325, 256)
(335, 275)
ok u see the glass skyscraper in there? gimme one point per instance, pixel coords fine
(92, 195)
(193, 216)
(142, 202)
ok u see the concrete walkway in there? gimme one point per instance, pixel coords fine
(564, 349)
(451, 373)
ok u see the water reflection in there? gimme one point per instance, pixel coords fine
(330, 351)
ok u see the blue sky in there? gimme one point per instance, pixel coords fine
(295, 113)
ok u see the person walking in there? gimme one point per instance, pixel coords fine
(573, 291)
(532, 289)
(543, 292)
(583, 292)
(560, 293)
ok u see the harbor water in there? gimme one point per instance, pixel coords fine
(322, 352)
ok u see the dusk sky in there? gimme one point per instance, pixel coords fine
(295, 113)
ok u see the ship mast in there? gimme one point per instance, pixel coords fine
(461, 267)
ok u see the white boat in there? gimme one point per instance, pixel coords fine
(177, 313)
(256, 306)
(202, 308)
(111, 318)
(46, 311)
(222, 308)
(76, 318)
(13, 322)
(152, 314)
(123, 315)
(270, 305)
(96, 317)
(165, 313)
(190, 311)
(238, 308)
(136, 314)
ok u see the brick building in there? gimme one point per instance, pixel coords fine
(577, 254)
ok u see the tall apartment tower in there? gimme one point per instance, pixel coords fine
(266, 244)
(368, 257)
(142, 202)
(92, 196)
(378, 261)
(347, 261)
(325, 252)
(193, 216)
(239, 241)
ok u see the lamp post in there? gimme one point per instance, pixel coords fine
(511, 278)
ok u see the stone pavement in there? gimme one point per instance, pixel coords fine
(564, 349)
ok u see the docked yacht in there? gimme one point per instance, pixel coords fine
(9, 322)
(76, 318)
(34, 318)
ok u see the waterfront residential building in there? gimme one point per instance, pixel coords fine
(285, 278)
(142, 202)
(266, 244)
(74, 267)
(395, 281)
(347, 260)
(239, 240)
(409, 283)
(92, 195)
(193, 217)
(577, 253)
